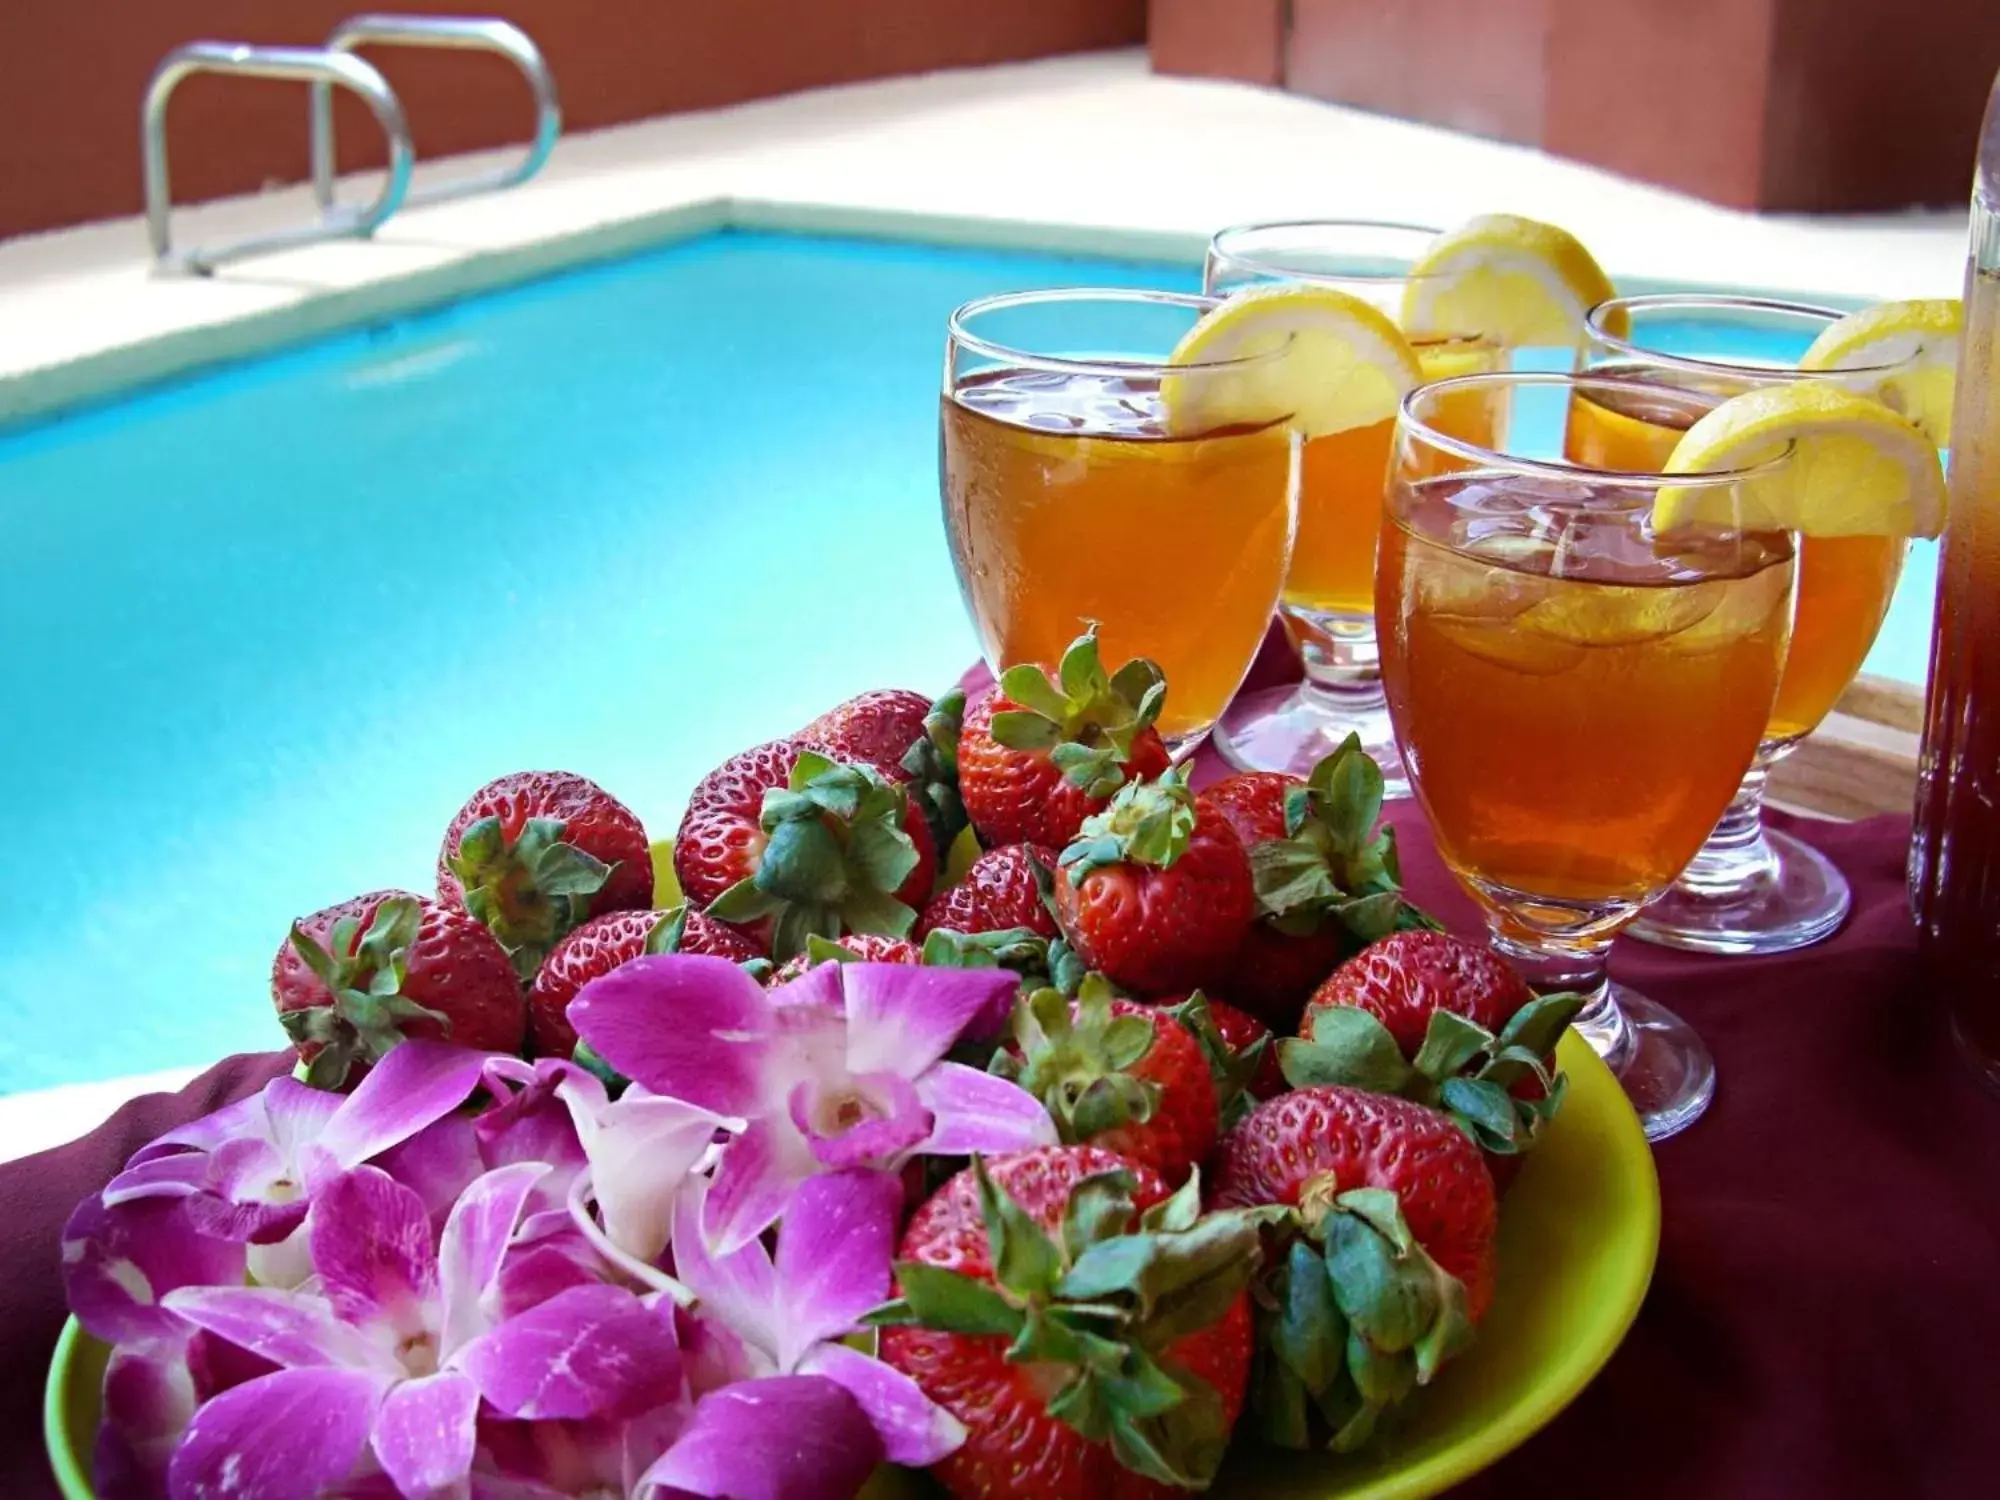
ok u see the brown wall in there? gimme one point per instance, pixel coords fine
(72, 72)
(1823, 105)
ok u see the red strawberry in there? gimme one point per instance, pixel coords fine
(786, 843)
(1000, 891)
(1036, 757)
(1326, 875)
(1392, 1263)
(332, 983)
(1116, 1074)
(1242, 1054)
(537, 853)
(996, 1345)
(1155, 893)
(855, 948)
(601, 945)
(1444, 1022)
(908, 739)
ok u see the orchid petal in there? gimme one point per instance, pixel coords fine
(424, 1434)
(683, 1025)
(149, 1398)
(976, 1111)
(530, 1277)
(297, 1112)
(786, 1438)
(287, 1328)
(535, 1122)
(418, 1081)
(753, 1182)
(371, 1244)
(252, 1195)
(591, 1350)
(289, 1436)
(162, 1177)
(739, 1288)
(584, 1220)
(284, 1265)
(438, 1163)
(901, 1018)
(714, 1355)
(246, 1117)
(915, 1431)
(641, 1152)
(118, 1263)
(835, 1250)
(475, 1241)
(888, 1119)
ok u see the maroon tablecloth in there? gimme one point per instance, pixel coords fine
(1825, 1319)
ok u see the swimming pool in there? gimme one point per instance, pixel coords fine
(266, 628)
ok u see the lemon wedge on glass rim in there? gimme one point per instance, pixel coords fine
(1519, 282)
(1322, 357)
(1851, 467)
(1919, 338)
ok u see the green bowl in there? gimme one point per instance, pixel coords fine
(1578, 1238)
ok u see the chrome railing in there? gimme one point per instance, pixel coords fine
(453, 32)
(320, 67)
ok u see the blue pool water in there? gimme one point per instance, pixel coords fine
(265, 629)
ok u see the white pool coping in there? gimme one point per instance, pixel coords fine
(1090, 154)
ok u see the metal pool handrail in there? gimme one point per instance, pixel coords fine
(318, 66)
(453, 32)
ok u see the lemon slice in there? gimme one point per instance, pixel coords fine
(1855, 468)
(1921, 338)
(1336, 363)
(1517, 281)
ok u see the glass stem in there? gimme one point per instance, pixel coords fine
(1343, 663)
(1737, 856)
(1580, 969)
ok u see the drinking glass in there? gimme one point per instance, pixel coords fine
(1329, 596)
(1070, 499)
(1576, 697)
(1751, 889)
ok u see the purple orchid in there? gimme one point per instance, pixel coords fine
(384, 1362)
(788, 1316)
(843, 1067)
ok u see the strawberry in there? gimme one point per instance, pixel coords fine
(1155, 893)
(786, 843)
(537, 853)
(1036, 757)
(355, 979)
(1091, 1332)
(1242, 1056)
(1444, 1022)
(855, 948)
(1115, 1074)
(908, 739)
(601, 945)
(1327, 877)
(1390, 1261)
(1002, 889)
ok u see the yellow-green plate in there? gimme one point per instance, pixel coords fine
(1578, 1234)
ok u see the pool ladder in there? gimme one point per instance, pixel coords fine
(324, 69)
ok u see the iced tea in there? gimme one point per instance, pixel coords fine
(1576, 700)
(1066, 500)
(1844, 583)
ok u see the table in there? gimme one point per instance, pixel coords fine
(1825, 1319)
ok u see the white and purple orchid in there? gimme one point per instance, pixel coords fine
(480, 1277)
(843, 1067)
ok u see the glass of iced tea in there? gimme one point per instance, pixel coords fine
(1329, 597)
(1751, 889)
(1071, 497)
(1577, 697)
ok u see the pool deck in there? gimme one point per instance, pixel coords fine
(1088, 153)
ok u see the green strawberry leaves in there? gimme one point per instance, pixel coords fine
(1085, 721)
(365, 971)
(1337, 861)
(1100, 1306)
(1351, 1321)
(932, 763)
(1077, 1059)
(1461, 1068)
(1147, 822)
(528, 892)
(1232, 1071)
(835, 855)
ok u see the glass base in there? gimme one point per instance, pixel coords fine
(1292, 729)
(1790, 898)
(1665, 1069)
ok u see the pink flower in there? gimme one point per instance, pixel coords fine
(843, 1067)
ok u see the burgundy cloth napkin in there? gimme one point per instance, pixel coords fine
(1825, 1319)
